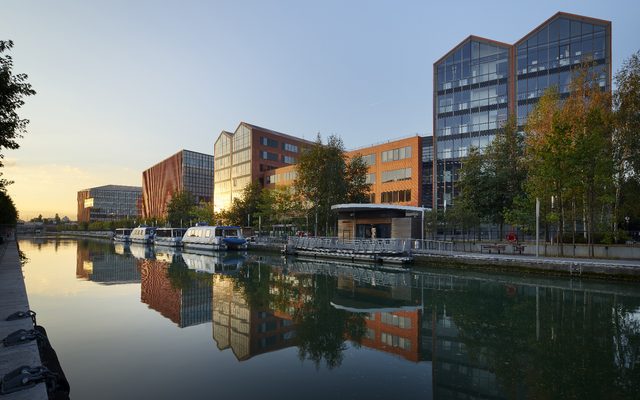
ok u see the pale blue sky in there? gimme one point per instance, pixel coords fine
(124, 84)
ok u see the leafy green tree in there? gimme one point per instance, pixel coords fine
(356, 176)
(13, 88)
(326, 177)
(626, 139)
(244, 208)
(180, 209)
(490, 181)
(204, 212)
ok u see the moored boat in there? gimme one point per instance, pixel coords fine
(171, 237)
(214, 238)
(122, 235)
(143, 234)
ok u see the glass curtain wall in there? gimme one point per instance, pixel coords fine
(222, 174)
(197, 172)
(550, 55)
(240, 161)
(471, 103)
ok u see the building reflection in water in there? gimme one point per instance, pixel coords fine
(482, 338)
(248, 330)
(176, 292)
(98, 262)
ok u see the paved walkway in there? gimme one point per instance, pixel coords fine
(13, 297)
(629, 269)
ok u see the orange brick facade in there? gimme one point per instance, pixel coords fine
(414, 161)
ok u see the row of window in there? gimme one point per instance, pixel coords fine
(283, 177)
(396, 320)
(265, 141)
(395, 341)
(396, 196)
(466, 99)
(476, 122)
(401, 174)
(396, 154)
(555, 56)
(460, 147)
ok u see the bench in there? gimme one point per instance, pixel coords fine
(490, 247)
(518, 247)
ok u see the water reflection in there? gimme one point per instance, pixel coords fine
(97, 262)
(486, 336)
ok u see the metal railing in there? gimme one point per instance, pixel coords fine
(432, 246)
(373, 246)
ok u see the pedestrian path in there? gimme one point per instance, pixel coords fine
(13, 297)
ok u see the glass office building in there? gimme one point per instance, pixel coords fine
(481, 82)
(547, 56)
(109, 203)
(186, 170)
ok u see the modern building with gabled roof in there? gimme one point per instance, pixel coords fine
(481, 82)
(246, 156)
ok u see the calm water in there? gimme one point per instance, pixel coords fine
(131, 323)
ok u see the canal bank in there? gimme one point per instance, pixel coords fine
(574, 267)
(13, 297)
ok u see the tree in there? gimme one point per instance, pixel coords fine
(326, 177)
(626, 139)
(244, 207)
(8, 211)
(569, 153)
(13, 88)
(491, 180)
(356, 177)
(204, 212)
(180, 209)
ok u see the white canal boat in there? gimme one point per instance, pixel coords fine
(122, 235)
(214, 238)
(171, 237)
(143, 234)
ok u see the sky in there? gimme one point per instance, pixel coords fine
(122, 85)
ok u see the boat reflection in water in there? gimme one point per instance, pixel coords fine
(222, 262)
(141, 251)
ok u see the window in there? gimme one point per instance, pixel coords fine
(265, 155)
(370, 178)
(369, 159)
(288, 160)
(265, 141)
(242, 156)
(242, 169)
(222, 162)
(290, 147)
(402, 174)
(396, 154)
(396, 196)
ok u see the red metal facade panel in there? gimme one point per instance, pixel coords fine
(159, 183)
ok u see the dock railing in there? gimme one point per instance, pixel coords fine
(372, 246)
(432, 246)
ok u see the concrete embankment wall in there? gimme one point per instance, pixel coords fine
(618, 252)
(601, 269)
(13, 297)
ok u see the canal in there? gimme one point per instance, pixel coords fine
(130, 322)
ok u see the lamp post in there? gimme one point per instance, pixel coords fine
(537, 226)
